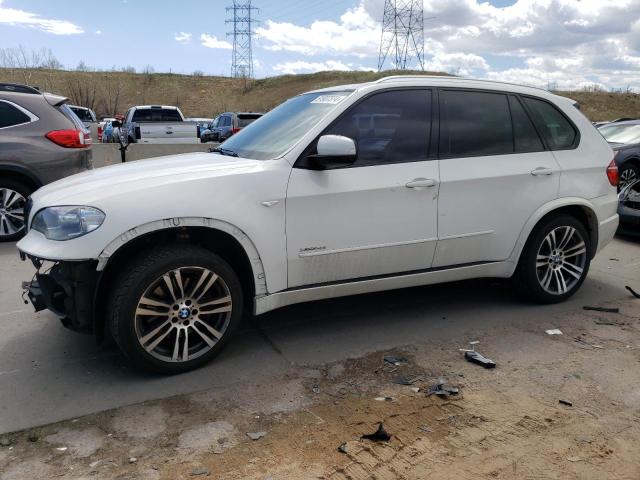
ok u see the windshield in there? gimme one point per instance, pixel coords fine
(274, 133)
(621, 133)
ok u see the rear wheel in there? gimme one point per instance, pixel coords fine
(13, 198)
(555, 260)
(175, 308)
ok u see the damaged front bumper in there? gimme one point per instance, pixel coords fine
(67, 289)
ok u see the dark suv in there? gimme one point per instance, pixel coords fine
(226, 124)
(41, 140)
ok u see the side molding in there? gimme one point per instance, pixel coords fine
(168, 223)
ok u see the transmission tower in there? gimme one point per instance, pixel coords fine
(242, 21)
(402, 33)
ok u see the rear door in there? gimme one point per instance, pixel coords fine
(495, 172)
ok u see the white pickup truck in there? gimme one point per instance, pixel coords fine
(157, 124)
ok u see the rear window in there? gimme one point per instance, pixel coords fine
(552, 124)
(83, 114)
(156, 115)
(474, 124)
(70, 114)
(245, 119)
(11, 116)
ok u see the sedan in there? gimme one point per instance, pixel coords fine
(624, 138)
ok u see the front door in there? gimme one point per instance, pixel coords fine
(377, 216)
(495, 172)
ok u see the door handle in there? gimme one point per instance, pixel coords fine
(421, 183)
(542, 171)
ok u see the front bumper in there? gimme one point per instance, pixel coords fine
(68, 290)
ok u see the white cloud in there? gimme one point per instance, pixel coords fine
(98, 32)
(211, 41)
(356, 34)
(13, 16)
(183, 37)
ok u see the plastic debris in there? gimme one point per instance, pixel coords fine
(632, 291)
(316, 389)
(415, 389)
(343, 447)
(554, 331)
(565, 402)
(256, 435)
(383, 399)
(601, 309)
(425, 429)
(395, 361)
(61, 449)
(442, 390)
(380, 435)
(200, 471)
(475, 357)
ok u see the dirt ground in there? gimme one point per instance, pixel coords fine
(505, 423)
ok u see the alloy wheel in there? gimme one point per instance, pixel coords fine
(11, 212)
(561, 260)
(183, 314)
(627, 177)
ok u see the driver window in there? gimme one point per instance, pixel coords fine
(389, 127)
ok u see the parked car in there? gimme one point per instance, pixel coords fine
(201, 124)
(157, 124)
(405, 181)
(228, 124)
(41, 140)
(624, 138)
(629, 208)
(88, 118)
(105, 123)
(207, 133)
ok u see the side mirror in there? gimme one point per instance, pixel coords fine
(334, 151)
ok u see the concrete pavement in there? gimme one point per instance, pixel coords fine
(48, 373)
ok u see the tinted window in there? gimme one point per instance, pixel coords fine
(389, 127)
(142, 115)
(245, 119)
(83, 114)
(10, 115)
(171, 116)
(474, 123)
(552, 124)
(525, 136)
(226, 121)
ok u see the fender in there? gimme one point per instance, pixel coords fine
(7, 167)
(548, 208)
(167, 223)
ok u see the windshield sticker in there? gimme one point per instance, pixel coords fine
(330, 99)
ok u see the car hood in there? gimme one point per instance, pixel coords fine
(93, 185)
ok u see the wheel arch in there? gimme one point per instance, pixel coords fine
(579, 208)
(20, 174)
(222, 238)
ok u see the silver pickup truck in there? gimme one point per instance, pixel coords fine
(157, 124)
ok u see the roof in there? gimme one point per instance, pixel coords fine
(18, 88)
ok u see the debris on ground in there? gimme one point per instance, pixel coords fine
(316, 389)
(380, 435)
(565, 402)
(61, 449)
(584, 342)
(553, 331)
(383, 399)
(415, 389)
(602, 309)
(407, 380)
(256, 435)
(32, 437)
(200, 471)
(632, 291)
(395, 361)
(343, 447)
(425, 429)
(5, 441)
(475, 357)
(442, 390)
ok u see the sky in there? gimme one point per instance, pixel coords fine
(566, 44)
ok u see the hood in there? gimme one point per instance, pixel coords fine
(93, 185)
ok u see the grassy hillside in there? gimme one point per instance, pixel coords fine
(203, 96)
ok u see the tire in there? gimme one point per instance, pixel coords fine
(560, 273)
(629, 173)
(13, 197)
(168, 277)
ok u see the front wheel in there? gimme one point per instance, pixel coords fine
(555, 260)
(174, 308)
(13, 198)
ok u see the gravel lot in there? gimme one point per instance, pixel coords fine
(308, 376)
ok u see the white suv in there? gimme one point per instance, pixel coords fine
(360, 188)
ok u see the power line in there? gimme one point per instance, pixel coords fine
(402, 33)
(242, 21)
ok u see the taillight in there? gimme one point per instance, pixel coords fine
(612, 172)
(235, 130)
(70, 138)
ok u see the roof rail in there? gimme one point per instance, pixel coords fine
(449, 77)
(18, 88)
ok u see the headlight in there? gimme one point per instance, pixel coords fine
(65, 223)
